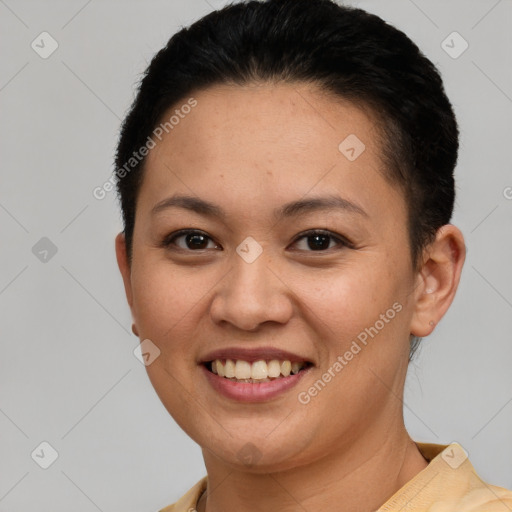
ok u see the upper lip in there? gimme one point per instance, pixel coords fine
(253, 354)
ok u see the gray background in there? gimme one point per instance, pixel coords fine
(68, 374)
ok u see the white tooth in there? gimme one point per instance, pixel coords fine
(296, 367)
(214, 366)
(274, 368)
(242, 370)
(220, 368)
(286, 367)
(259, 370)
(229, 368)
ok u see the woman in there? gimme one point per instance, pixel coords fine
(286, 181)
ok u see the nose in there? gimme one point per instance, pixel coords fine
(252, 294)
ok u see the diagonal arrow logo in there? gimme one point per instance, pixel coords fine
(351, 147)
(44, 455)
(249, 249)
(454, 45)
(146, 352)
(44, 250)
(44, 45)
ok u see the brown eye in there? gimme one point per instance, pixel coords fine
(319, 241)
(192, 240)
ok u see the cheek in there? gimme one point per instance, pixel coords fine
(347, 298)
(164, 300)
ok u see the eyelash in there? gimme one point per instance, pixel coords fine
(169, 240)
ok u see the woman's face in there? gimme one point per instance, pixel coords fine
(252, 280)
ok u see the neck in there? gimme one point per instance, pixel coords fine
(362, 476)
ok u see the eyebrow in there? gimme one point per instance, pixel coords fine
(291, 209)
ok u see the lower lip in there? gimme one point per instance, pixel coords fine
(248, 392)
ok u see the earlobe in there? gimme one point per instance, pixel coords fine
(124, 266)
(438, 279)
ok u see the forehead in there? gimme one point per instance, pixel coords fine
(291, 118)
(268, 143)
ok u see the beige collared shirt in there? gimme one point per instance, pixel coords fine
(448, 484)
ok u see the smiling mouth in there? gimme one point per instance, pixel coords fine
(255, 372)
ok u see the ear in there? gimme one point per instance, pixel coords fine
(124, 266)
(438, 279)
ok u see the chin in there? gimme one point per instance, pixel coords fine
(257, 454)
